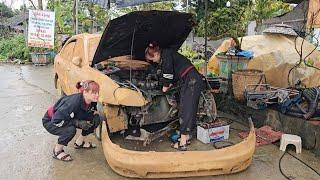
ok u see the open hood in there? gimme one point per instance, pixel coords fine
(131, 33)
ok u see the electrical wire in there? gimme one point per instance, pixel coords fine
(279, 164)
(280, 168)
(304, 163)
(280, 160)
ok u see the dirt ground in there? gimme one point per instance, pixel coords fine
(26, 147)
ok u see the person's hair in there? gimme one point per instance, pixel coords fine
(151, 49)
(87, 86)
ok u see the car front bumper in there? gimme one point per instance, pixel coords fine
(153, 164)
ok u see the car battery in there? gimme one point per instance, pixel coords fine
(213, 131)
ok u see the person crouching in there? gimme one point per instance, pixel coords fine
(71, 112)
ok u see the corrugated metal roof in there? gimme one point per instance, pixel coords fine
(281, 29)
(16, 20)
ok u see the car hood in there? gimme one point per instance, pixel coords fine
(131, 33)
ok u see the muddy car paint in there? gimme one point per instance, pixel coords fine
(68, 74)
(152, 164)
(74, 63)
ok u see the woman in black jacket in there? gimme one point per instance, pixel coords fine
(178, 69)
(71, 112)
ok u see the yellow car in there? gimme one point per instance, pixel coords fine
(131, 97)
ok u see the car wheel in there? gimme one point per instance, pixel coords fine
(59, 89)
(209, 104)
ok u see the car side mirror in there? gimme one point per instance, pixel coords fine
(77, 61)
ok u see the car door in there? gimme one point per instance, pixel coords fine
(63, 63)
(78, 69)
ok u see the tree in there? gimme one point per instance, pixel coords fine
(88, 16)
(226, 21)
(164, 5)
(92, 15)
(264, 9)
(5, 11)
(223, 21)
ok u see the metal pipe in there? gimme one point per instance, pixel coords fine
(187, 6)
(206, 36)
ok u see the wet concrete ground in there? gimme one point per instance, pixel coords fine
(26, 147)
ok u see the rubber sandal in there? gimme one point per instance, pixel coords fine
(63, 158)
(91, 146)
(180, 147)
(188, 141)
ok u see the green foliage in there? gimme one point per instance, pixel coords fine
(193, 56)
(5, 11)
(13, 47)
(232, 21)
(88, 15)
(264, 9)
(164, 6)
(63, 15)
(310, 62)
(189, 53)
(223, 21)
(91, 15)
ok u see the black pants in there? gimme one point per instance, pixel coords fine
(66, 132)
(190, 90)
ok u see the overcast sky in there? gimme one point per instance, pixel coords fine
(16, 4)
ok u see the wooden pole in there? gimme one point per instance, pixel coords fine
(40, 5)
(77, 18)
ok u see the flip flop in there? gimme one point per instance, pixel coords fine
(188, 141)
(63, 158)
(180, 147)
(91, 146)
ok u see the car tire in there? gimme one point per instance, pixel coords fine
(59, 89)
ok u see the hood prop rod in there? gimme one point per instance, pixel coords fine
(132, 41)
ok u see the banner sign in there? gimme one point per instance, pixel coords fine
(41, 29)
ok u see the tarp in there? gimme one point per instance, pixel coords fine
(276, 55)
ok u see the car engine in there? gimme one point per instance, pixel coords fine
(162, 107)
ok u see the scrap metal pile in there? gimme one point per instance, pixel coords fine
(302, 103)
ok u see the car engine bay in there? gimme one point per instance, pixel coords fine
(161, 113)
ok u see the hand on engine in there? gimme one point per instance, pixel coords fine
(82, 124)
(166, 88)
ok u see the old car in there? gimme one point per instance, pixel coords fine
(131, 96)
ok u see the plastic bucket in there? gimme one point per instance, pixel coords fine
(229, 64)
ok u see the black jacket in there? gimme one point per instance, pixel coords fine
(68, 108)
(172, 65)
